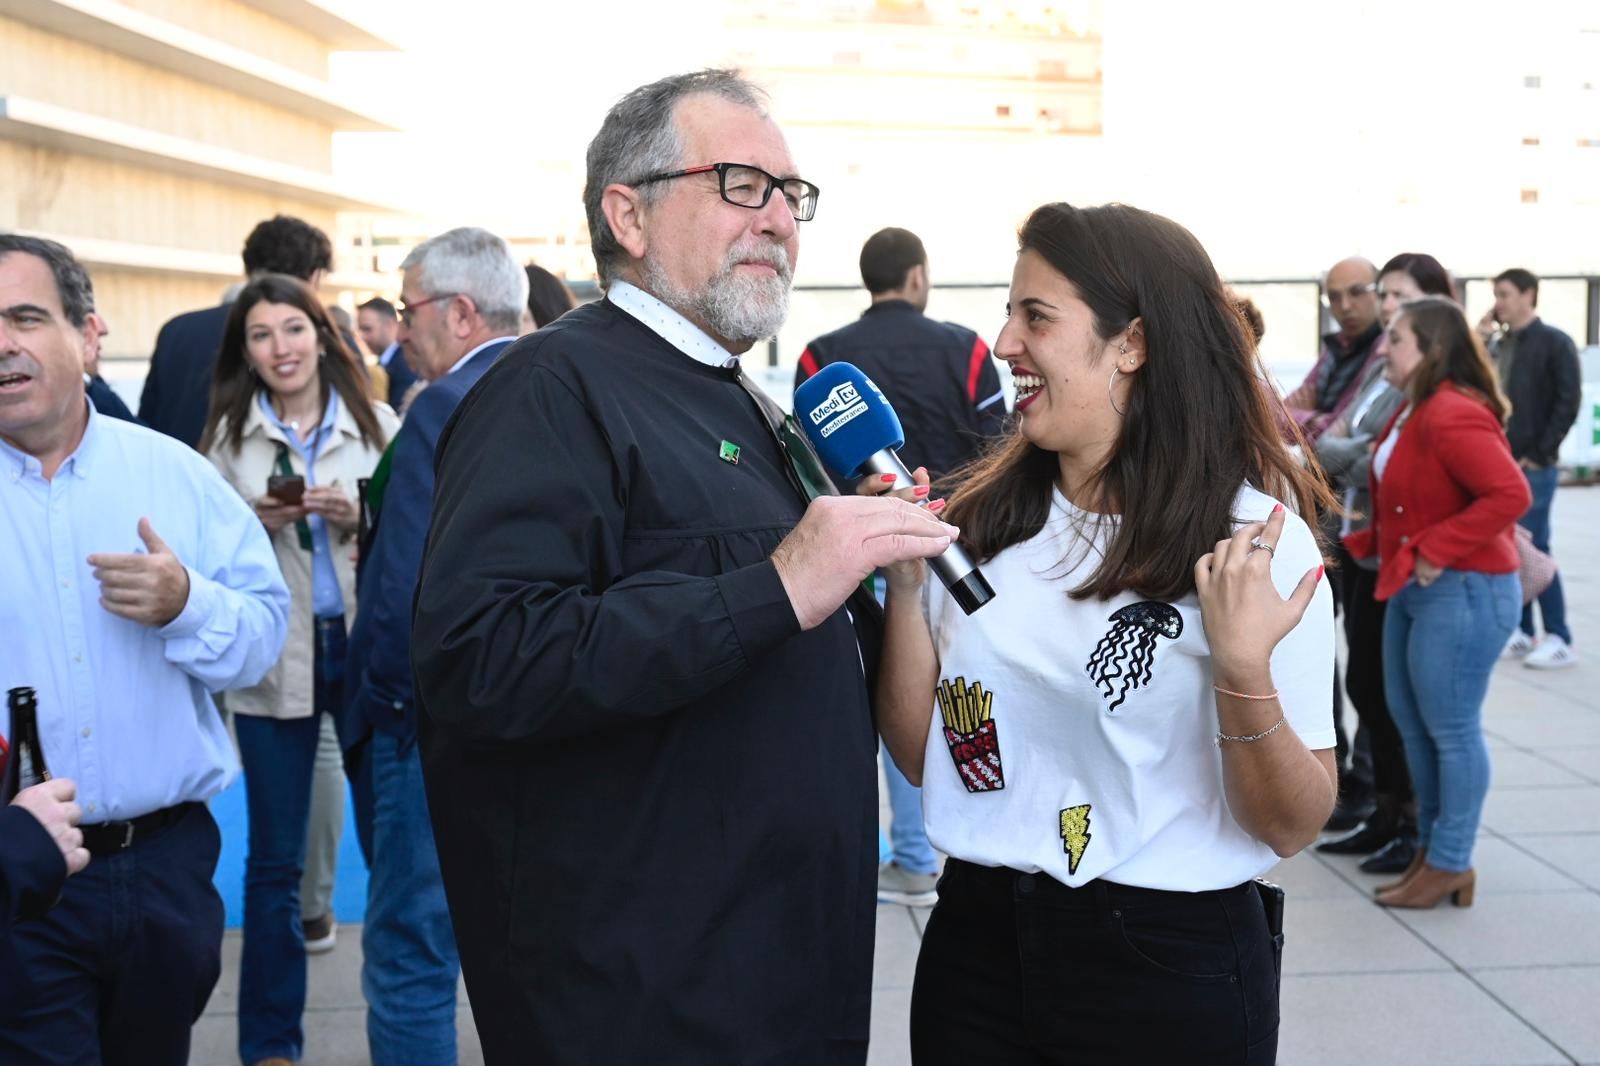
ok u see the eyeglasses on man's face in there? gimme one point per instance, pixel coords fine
(407, 310)
(1351, 294)
(746, 185)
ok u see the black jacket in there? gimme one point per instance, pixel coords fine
(177, 390)
(1545, 390)
(654, 797)
(937, 375)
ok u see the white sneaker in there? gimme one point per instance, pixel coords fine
(1553, 653)
(896, 884)
(1518, 646)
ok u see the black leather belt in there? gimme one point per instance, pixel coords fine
(108, 838)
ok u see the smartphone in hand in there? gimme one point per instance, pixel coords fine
(287, 488)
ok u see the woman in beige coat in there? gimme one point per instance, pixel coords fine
(292, 429)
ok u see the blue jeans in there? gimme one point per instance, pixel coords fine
(1552, 601)
(279, 757)
(1440, 644)
(410, 966)
(908, 845)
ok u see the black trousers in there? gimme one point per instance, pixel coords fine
(1363, 678)
(1021, 970)
(122, 967)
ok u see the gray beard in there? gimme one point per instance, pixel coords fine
(739, 308)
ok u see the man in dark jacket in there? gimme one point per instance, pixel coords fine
(944, 386)
(1539, 371)
(641, 704)
(177, 390)
(938, 375)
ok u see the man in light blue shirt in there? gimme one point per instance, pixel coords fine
(136, 583)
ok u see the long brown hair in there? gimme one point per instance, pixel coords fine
(1199, 423)
(1451, 351)
(234, 387)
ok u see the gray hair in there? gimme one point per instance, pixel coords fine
(72, 281)
(639, 138)
(473, 262)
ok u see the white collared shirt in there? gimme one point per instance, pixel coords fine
(388, 353)
(459, 363)
(669, 325)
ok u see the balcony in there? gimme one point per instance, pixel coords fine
(158, 43)
(33, 122)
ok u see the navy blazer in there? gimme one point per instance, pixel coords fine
(377, 690)
(401, 376)
(177, 389)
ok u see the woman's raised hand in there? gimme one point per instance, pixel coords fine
(1244, 616)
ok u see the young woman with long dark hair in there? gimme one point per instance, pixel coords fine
(1446, 494)
(1139, 723)
(288, 400)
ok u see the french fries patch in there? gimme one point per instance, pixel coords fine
(969, 731)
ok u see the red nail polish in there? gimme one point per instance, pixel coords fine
(1320, 571)
(888, 478)
(1278, 508)
(921, 490)
(936, 505)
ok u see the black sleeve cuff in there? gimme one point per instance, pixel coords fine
(759, 607)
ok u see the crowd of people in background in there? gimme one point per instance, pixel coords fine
(611, 527)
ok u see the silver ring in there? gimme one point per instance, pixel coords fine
(1257, 543)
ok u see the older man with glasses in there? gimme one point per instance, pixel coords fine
(1351, 287)
(645, 728)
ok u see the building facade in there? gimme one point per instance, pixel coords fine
(150, 136)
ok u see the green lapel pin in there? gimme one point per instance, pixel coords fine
(729, 452)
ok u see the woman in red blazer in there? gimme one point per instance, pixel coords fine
(1445, 496)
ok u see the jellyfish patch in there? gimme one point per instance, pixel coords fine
(1125, 655)
(970, 734)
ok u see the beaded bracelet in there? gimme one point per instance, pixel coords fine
(1251, 740)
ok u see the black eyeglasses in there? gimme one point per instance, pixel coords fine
(407, 310)
(744, 185)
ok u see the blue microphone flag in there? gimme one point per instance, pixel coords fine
(846, 417)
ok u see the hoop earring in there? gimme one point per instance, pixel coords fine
(1115, 370)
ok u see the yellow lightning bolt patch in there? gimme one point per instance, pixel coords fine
(1075, 835)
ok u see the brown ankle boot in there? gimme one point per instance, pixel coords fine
(1417, 863)
(1428, 886)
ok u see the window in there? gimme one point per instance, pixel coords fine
(1530, 196)
(1002, 110)
(1532, 81)
(1532, 142)
(1052, 70)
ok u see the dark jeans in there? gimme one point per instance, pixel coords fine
(1552, 601)
(279, 756)
(1363, 678)
(1019, 969)
(124, 964)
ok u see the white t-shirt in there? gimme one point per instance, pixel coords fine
(1076, 737)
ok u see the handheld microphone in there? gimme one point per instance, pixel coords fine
(855, 431)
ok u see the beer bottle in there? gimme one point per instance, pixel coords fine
(363, 512)
(25, 746)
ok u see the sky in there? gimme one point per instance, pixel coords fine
(1285, 134)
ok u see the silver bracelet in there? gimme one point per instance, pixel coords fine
(1251, 740)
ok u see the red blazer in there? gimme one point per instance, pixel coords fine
(1451, 491)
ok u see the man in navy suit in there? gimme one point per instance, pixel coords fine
(379, 325)
(463, 295)
(177, 390)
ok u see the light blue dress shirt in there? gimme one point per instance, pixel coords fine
(125, 709)
(327, 600)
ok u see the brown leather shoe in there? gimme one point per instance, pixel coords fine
(1428, 886)
(1417, 862)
